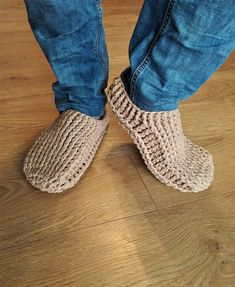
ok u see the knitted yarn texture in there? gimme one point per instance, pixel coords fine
(64, 151)
(168, 154)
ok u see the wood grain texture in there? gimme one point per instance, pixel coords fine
(119, 226)
(111, 189)
(191, 245)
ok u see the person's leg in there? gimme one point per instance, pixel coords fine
(71, 34)
(175, 47)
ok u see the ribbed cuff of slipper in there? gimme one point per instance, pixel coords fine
(168, 154)
(64, 151)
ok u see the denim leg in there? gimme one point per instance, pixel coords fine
(71, 35)
(175, 48)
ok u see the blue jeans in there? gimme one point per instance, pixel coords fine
(175, 47)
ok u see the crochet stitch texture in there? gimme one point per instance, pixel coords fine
(64, 151)
(168, 154)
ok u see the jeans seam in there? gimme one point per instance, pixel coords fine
(96, 49)
(147, 58)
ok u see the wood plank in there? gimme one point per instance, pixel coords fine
(187, 245)
(111, 189)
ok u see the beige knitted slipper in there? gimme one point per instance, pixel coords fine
(64, 151)
(168, 154)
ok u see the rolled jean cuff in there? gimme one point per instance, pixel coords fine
(146, 99)
(89, 111)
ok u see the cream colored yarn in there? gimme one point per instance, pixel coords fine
(64, 151)
(168, 154)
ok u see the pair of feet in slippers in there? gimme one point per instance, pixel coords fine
(64, 151)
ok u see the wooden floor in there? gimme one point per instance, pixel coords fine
(119, 226)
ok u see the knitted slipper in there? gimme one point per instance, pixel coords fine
(64, 151)
(168, 154)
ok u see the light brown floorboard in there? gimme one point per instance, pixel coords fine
(111, 189)
(189, 245)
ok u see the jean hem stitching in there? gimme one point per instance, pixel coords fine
(76, 106)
